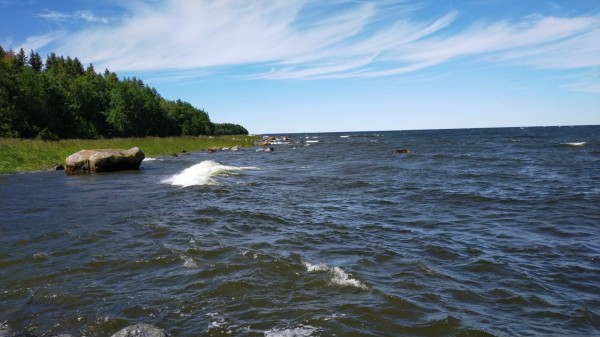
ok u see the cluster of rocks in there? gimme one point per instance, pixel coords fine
(216, 149)
(175, 154)
(271, 140)
(138, 330)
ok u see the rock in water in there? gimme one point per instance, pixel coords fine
(141, 330)
(86, 161)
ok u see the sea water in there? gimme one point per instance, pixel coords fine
(481, 232)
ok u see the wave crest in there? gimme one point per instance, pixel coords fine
(202, 174)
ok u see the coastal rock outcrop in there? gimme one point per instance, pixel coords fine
(86, 161)
(141, 330)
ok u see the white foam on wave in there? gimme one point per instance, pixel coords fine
(149, 159)
(575, 143)
(202, 174)
(338, 275)
(220, 324)
(188, 262)
(299, 331)
(316, 267)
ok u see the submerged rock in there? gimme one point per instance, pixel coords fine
(86, 161)
(141, 330)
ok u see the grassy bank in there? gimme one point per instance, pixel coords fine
(18, 155)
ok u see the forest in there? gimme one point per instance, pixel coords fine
(62, 99)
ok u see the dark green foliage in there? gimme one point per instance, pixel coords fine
(35, 62)
(20, 59)
(229, 129)
(191, 121)
(64, 100)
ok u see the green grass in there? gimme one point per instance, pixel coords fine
(19, 155)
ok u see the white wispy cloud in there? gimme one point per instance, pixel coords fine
(86, 16)
(306, 39)
(38, 41)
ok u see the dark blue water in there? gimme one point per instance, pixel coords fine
(484, 232)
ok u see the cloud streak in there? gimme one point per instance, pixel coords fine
(307, 39)
(86, 16)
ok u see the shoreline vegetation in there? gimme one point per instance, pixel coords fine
(60, 99)
(50, 110)
(26, 155)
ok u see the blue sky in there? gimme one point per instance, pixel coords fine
(311, 66)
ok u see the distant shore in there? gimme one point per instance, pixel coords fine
(26, 155)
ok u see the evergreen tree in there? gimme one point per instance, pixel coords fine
(20, 59)
(35, 62)
(76, 68)
(52, 63)
(90, 70)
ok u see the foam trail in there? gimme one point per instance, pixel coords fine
(202, 174)
(575, 143)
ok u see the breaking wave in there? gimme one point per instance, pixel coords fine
(338, 275)
(575, 143)
(203, 173)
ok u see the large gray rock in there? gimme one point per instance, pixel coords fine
(141, 330)
(86, 161)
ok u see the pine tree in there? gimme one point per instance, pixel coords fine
(52, 62)
(76, 67)
(90, 70)
(35, 61)
(20, 59)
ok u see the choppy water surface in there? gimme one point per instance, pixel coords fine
(488, 232)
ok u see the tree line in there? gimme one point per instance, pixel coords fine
(62, 99)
